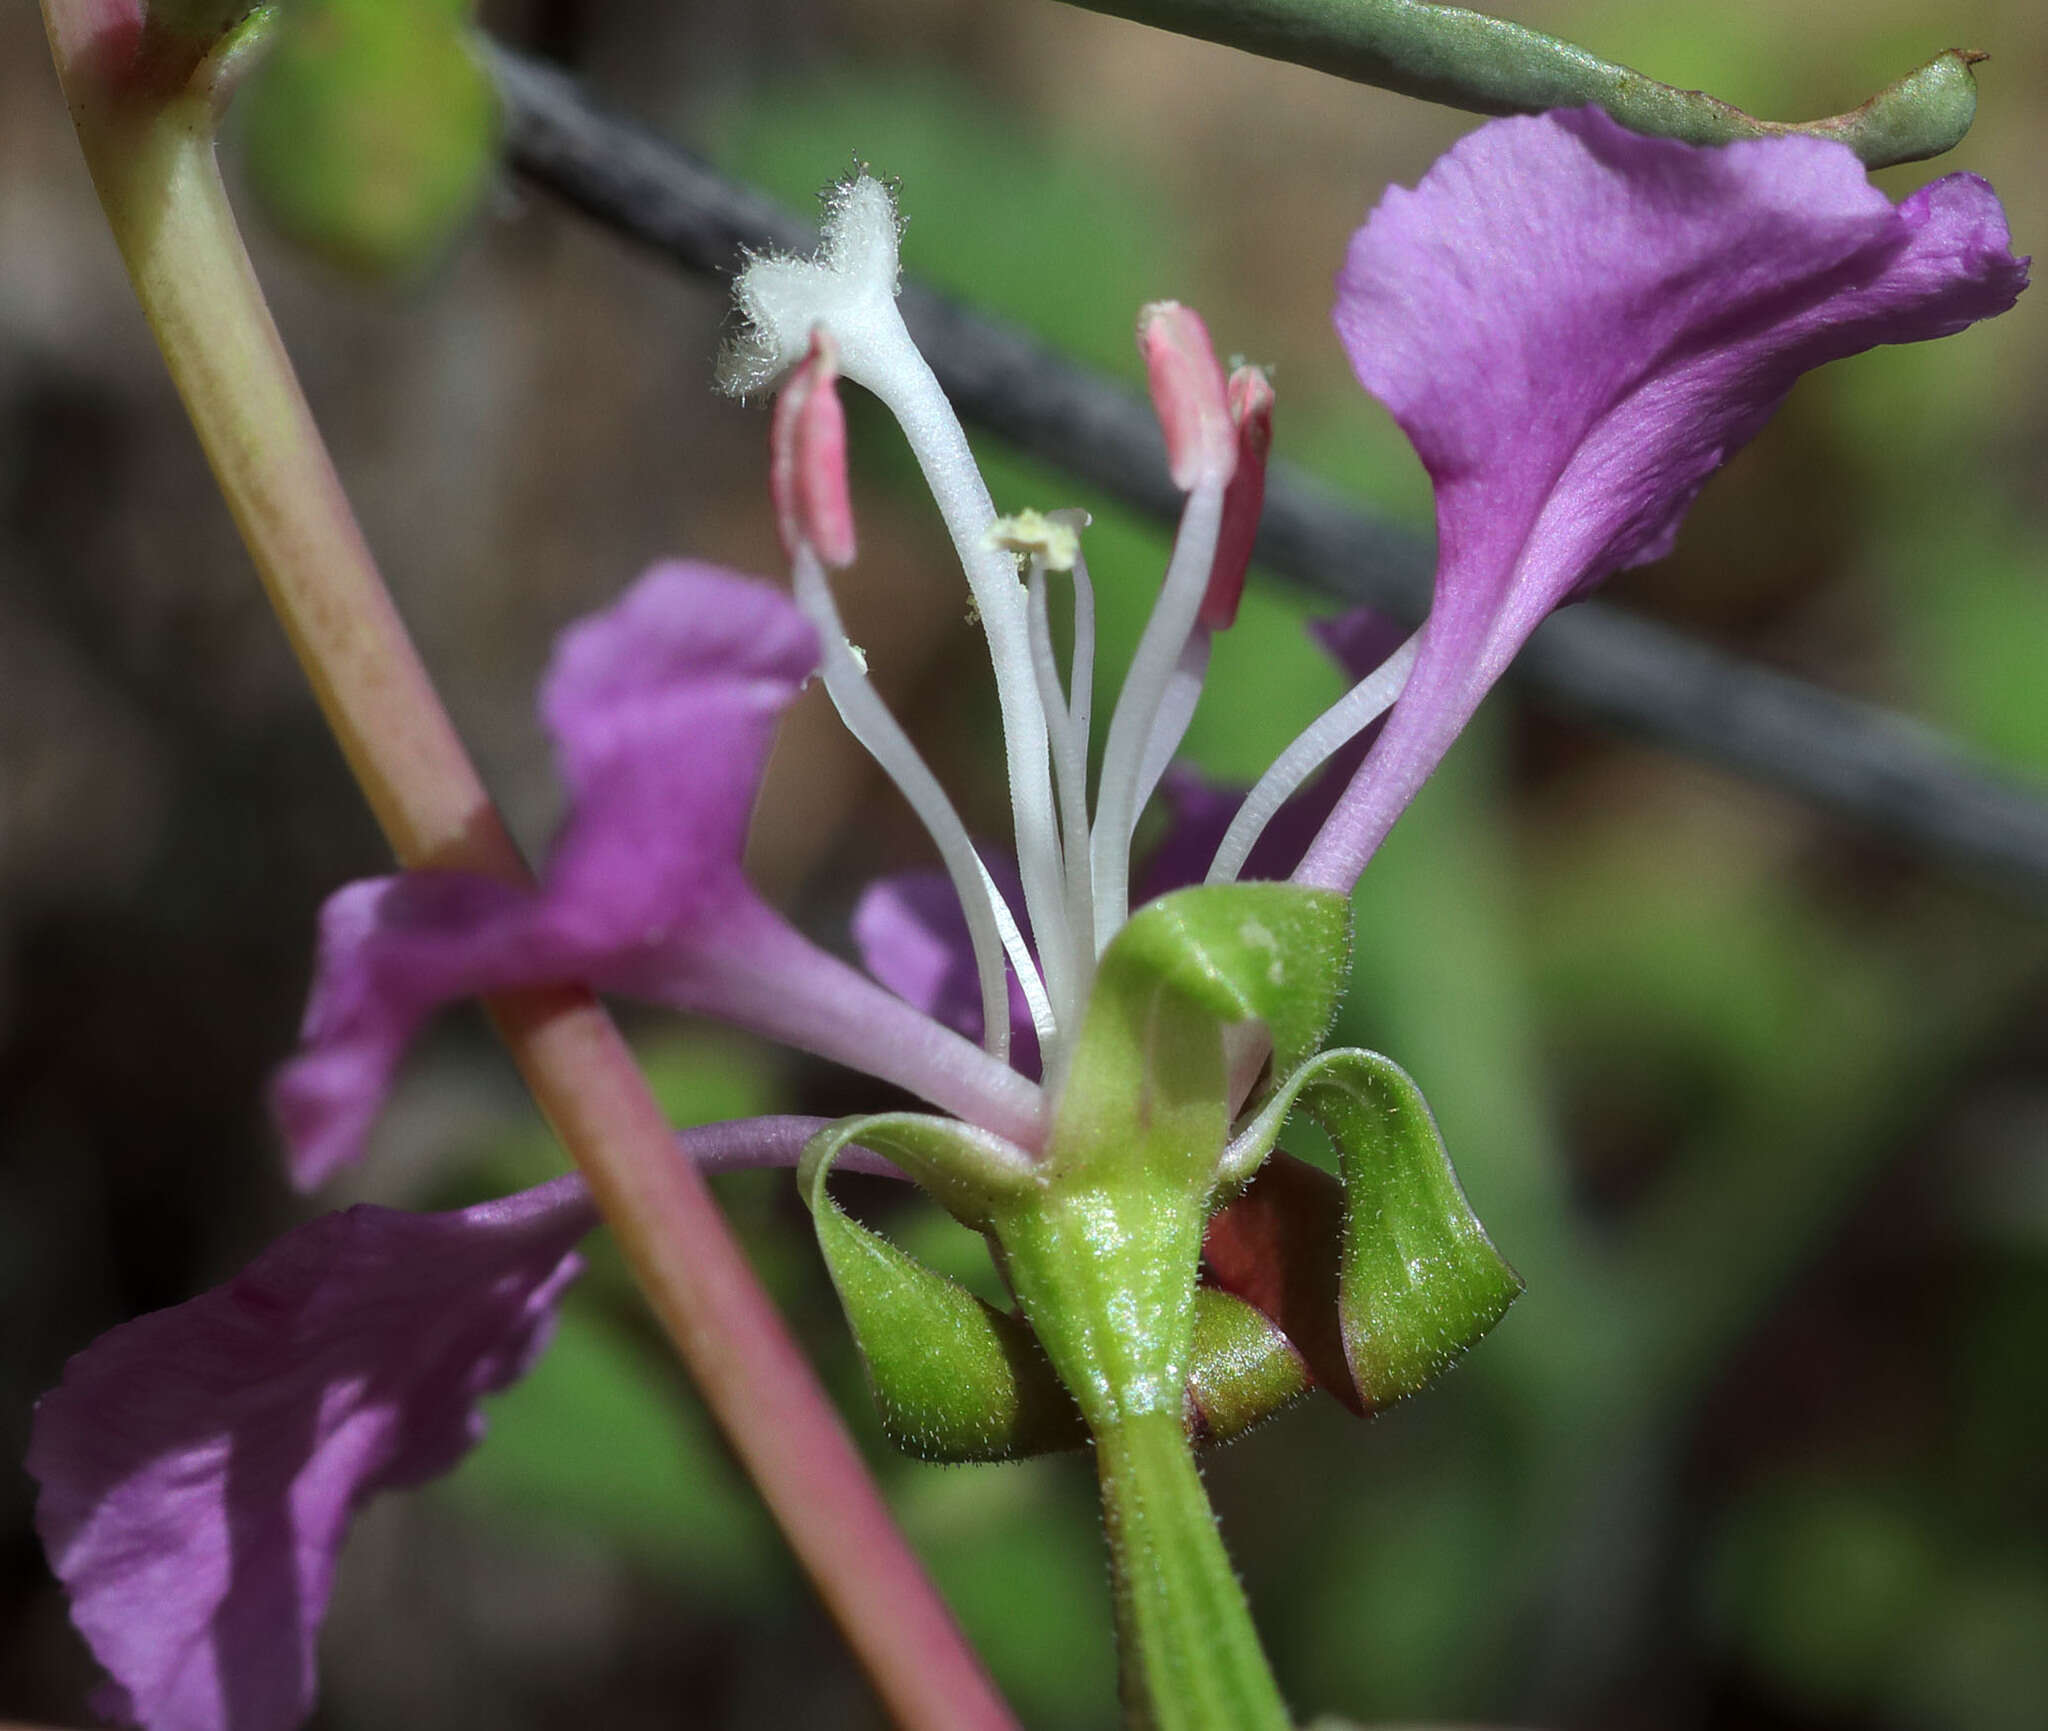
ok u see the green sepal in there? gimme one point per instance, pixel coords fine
(1103, 1253)
(372, 130)
(1277, 954)
(1242, 1371)
(1417, 1280)
(954, 1378)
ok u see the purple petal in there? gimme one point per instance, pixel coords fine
(199, 1465)
(1576, 326)
(662, 708)
(913, 937)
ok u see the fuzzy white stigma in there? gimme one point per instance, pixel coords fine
(849, 287)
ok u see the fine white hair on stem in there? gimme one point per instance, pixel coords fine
(1176, 710)
(868, 719)
(1070, 772)
(1130, 726)
(1357, 709)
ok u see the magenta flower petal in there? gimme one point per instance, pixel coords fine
(199, 1465)
(913, 937)
(1575, 326)
(662, 708)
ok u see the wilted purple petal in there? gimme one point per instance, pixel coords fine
(913, 937)
(199, 1465)
(1575, 326)
(662, 708)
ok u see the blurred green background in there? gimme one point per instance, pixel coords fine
(1757, 1107)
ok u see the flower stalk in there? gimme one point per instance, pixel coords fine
(146, 109)
(1190, 1659)
(1464, 59)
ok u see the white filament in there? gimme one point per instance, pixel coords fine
(868, 719)
(1176, 710)
(1357, 709)
(1070, 773)
(1019, 952)
(850, 288)
(1130, 727)
(912, 394)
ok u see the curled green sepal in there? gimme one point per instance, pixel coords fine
(1416, 1279)
(954, 1378)
(1191, 962)
(1242, 1370)
(1467, 60)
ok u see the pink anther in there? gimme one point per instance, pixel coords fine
(1251, 413)
(807, 458)
(1188, 393)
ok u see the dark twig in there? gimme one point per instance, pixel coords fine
(1895, 777)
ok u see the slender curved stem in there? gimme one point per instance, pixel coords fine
(1467, 60)
(151, 153)
(1190, 1658)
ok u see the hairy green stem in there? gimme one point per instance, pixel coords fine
(1190, 1658)
(146, 111)
(1467, 60)
(1106, 1273)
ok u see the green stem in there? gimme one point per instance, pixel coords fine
(1467, 60)
(1191, 1660)
(1105, 1270)
(146, 116)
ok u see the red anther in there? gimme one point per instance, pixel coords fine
(1188, 393)
(1251, 412)
(807, 458)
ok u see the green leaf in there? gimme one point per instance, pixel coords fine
(954, 1378)
(371, 130)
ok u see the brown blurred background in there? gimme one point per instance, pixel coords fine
(1758, 1107)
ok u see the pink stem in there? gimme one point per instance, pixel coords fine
(151, 153)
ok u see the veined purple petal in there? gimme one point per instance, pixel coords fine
(1575, 326)
(662, 709)
(199, 1465)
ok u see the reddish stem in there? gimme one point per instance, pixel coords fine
(152, 159)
